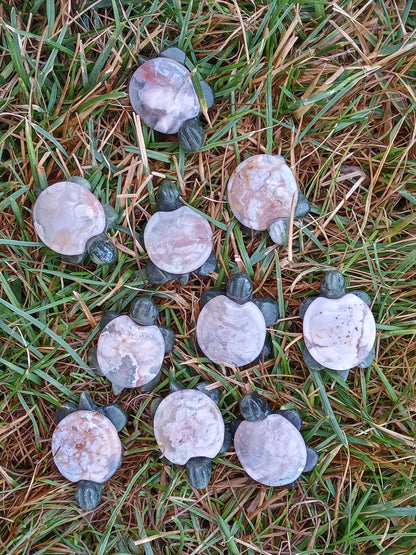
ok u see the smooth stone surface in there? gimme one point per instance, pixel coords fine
(279, 231)
(86, 446)
(179, 241)
(261, 190)
(339, 333)
(271, 451)
(230, 332)
(188, 424)
(66, 215)
(162, 93)
(130, 355)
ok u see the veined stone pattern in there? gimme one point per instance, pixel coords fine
(86, 446)
(128, 354)
(339, 333)
(162, 93)
(271, 451)
(188, 424)
(179, 241)
(260, 190)
(66, 215)
(230, 332)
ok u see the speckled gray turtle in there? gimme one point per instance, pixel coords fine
(177, 239)
(86, 447)
(70, 220)
(131, 349)
(261, 191)
(231, 326)
(339, 329)
(190, 430)
(162, 92)
(269, 445)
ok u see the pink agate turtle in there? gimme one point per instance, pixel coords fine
(86, 448)
(231, 327)
(339, 328)
(261, 191)
(190, 430)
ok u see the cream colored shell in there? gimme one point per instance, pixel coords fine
(86, 446)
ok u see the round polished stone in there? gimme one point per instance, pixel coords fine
(179, 241)
(188, 424)
(66, 215)
(86, 446)
(230, 332)
(128, 354)
(271, 451)
(162, 93)
(339, 333)
(260, 190)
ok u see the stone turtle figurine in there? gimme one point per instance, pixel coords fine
(260, 193)
(339, 329)
(189, 429)
(177, 239)
(231, 326)
(269, 445)
(71, 221)
(162, 93)
(86, 447)
(131, 349)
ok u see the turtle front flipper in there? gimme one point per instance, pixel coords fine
(269, 308)
(198, 470)
(311, 459)
(156, 276)
(64, 410)
(88, 494)
(174, 53)
(209, 294)
(116, 415)
(303, 307)
(302, 207)
(365, 297)
(208, 266)
(93, 362)
(101, 250)
(310, 362)
(292, 416)
(168, 337)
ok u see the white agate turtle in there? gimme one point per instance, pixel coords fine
(162, 93)
(71, 221)
(339, 328)
(177, 240)
(86, 447)
(131, 349)
(231, 326)
(261, 191)
(269, 445)
(190, 430)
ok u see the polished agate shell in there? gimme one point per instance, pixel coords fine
(86, 446)
(271, 451)
(162, 93)
(188, 424)
(128, 354)
(260, 190)
(179, 241)
(66, 215)
(230, 332)
(339, 333)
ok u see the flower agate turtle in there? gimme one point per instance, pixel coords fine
(269, 445)
(339, 329)
(231, 326)
(162, 93)
(131, 349)
(260, 193)
(190, 430)
(86, 447)
(71, 221)
(177, 239)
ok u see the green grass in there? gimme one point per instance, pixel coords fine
(332, 88)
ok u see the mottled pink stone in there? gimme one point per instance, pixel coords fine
(66, 215)
(162, 93)
(188, 424)
(230, 332)
(260, 190)
(339, 333)
(128, 354)
(86, 446)
(271, 451)
(179, 241)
